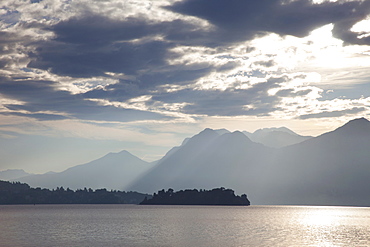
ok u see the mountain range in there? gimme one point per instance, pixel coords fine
(13, 174)
(276, 137)
(272, 166)
(113, 171)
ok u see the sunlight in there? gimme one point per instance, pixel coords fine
(320, 218)
(327, 51)
(363, 28)
(319, 48)
(324, 216)
(324, 225)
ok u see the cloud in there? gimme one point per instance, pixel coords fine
(269, 63)
(143, 71)
(38, 116)
(11, 54)
(229, 102)
(244, 20)
(330, 114)
(197, 57)
(73, 60)
(92, 45)
(39, 97)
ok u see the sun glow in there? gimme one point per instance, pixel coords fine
(322, 216)
(363, 28)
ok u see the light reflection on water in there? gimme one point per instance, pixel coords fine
(132, 225)
(337, 226)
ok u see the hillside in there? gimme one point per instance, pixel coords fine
(209, 160)
(331, 169)
(113, 171)
(13, 174)
(276, 137)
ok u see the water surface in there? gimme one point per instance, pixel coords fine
(134, 225)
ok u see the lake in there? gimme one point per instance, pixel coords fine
(135, 225)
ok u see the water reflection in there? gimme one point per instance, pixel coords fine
(335, 226)
(324, 216)
(122, 225)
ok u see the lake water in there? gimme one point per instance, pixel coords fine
(134, 225)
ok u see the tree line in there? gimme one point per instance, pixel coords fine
(218, 196)
(22, 193)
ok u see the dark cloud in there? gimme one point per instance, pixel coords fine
(94, 30)
(349, 93)
(267, 64)
(43, 96)
(292, 92)
(38, 116)
(86, 61)
(228, 66)
(329, 114)
(285, 92)
(10, 17)
(6, 38)
(230, 102)
(92, 45)
(9, 45)
(243, 20)
(342, 28)
(144, 84)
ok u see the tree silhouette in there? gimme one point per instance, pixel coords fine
(19, 193)
(218, 196)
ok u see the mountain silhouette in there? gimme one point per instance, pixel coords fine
(276, 137)
(13, 174)
(331, 169)
(113, 171)
(209, 160)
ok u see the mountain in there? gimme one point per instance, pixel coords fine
(331, 169)
(113, 171)
(276, 137)
(13, 174)
(209, 160)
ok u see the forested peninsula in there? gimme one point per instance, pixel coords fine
(21, 193)
(12, 193)
(218, 196)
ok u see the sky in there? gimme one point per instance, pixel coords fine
(81, 78)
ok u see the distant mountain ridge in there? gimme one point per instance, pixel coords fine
(276, 137)
(113, 171)
(205, 161)
(333, 168)
(330, 169)
(13, 174)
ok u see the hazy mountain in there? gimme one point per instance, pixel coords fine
(331, 169)
(113, 171)
(222, 131)
(276, 137)
(209, 160)
(13, 174)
